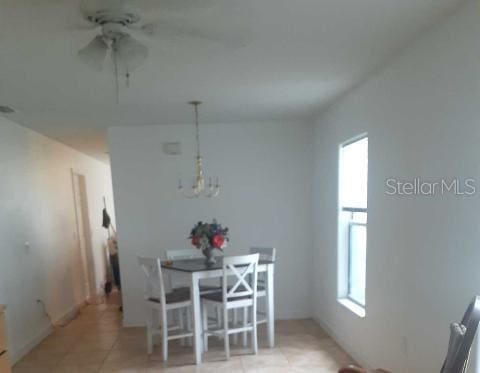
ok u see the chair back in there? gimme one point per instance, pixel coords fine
(266, 253)
(178, 280)
(154, 287)
(244, 272)
(461, 339)
(183, 254)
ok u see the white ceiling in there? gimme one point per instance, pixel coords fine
(298, 56)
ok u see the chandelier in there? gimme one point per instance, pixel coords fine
(199, 187)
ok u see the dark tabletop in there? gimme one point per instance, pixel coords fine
(198, 265)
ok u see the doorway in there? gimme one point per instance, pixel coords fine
(84, 237)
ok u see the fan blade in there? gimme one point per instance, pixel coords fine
(130, 52)
(90, 7)
(175, 6)
(94, 53)
(232, 38)
(217, 25)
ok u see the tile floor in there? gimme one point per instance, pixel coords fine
(96, 342)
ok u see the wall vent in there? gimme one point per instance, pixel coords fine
(172, 148)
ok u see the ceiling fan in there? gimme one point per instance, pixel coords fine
(117, 20)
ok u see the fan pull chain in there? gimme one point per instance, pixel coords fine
(115, 66)
(127, 76)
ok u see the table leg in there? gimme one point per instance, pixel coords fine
(197, 319)
(270, 307)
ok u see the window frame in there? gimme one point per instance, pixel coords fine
(345, 228)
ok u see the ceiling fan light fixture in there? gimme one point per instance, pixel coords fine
(94, 53)
(130, 52)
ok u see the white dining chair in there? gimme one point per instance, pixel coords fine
(243, 294)
(176, 282)
(265, 253)
(269, 254)
(158, 303)
(180, 284)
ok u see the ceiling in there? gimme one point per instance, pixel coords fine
(294, 58)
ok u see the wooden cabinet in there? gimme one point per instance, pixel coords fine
(4, 362)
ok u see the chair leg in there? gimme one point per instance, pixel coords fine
(149, 313)
(181, 324)
(219, 317)
(164, 336)
(189, 325)
(226, 339)
(235, 321)
(245, 323)
(254, 328)
(205, 326)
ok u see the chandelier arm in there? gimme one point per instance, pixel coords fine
(188, 195)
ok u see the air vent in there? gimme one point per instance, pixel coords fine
(172, 148)
(6, 110)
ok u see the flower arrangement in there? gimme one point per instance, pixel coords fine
(209, 236)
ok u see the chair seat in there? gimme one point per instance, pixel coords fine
(203, 289)
(260, 288)
(173, 297)
(218, 297)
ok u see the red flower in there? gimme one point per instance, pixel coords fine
(217, 241)
(195, 241)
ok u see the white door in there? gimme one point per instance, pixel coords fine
(84, 238)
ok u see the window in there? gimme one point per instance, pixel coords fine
(352, 222)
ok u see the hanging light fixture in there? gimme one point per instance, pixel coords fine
(199, 187)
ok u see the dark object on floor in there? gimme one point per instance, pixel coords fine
(461, 339)
(354, 369)
(116, 270)
(108, 288)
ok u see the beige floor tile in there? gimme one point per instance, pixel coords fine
(269, 369)
(96, 342)
(85, 357)
(265, 358)
(45, 356)
(312, 369)
(231, 366)
(319, 358)
(131, 343)
(28, 367)
(123, 368)
(77, 368)
(93, 346)
(57, 344)
(100, 336)
(126, 356)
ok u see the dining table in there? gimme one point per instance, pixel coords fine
(198, 269)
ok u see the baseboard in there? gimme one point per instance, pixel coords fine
(16, 355)
(69, 315)
(342, 341)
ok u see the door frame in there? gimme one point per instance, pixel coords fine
(83, 224)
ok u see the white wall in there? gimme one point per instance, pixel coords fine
(422, 115)
(265, 171)
(36, 205)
